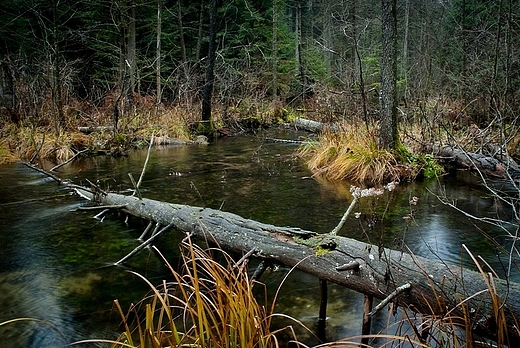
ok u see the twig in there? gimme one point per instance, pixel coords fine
(145, 164)
(69, 160)
(390, 297)
(244, 258)
(136, 188)
(348, 266)
(286, 141)
(345, 216)
(43, 171)
(145, 244)
(100, 214)
(260, 270)
(96, 187)
(157, 226)
(38, 150)
(145, 232)
(97, 207)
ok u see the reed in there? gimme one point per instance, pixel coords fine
(455, 327)
(208, 304)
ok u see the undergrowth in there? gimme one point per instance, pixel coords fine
(353, 154)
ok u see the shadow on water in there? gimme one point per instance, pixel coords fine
(53, 258)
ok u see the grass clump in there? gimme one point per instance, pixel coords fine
(352, 154)
(209, 304)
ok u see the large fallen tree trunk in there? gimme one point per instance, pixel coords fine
(420, 284)
(499, 166)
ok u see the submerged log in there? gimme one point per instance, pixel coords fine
(419, 284)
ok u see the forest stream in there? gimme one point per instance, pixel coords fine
(55, 260)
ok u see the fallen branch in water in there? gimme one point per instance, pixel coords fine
(432, 288)
(69, 160)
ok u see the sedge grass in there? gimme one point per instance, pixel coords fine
(209, 304)
(352, 154)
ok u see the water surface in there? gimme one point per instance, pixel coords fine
(55, 260)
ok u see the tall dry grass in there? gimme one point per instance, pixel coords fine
(211, 303)
(353, 154)
(208, 304)
(457, 327)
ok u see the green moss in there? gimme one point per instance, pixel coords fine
(205, 128)
(319, 250)
(425, 162)
(321, 243)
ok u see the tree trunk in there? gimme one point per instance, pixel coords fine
(158, 53)
(388, 126)
(131, 56)
(299, 53)
(498, 166)
(199, 31)
(422, 285)
(205, 124)
(56, 81)
(182, 42)
(405, 49)
(274, 54)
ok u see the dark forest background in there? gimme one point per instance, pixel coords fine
(85, 60)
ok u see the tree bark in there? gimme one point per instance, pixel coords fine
(182, 42)
(131, 55)
(205, 125)
(315, 126)
(158, 53)
(498, 166)
(274, 54)
(388, 125)
(432, 287)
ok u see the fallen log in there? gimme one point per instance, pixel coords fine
(315, 126)
(495, 164)
(419, 284)
(490, 166)
(98, 129)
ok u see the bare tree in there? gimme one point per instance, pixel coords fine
(205, 126)
(158, 53)
(388, 127)
(274, 54)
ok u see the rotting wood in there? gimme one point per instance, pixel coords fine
(315, 126)
(489, 166)
(434, 287)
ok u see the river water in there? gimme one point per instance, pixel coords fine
(55, 260)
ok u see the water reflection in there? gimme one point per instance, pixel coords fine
(53, 260)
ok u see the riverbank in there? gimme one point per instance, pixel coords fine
(344, 150)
